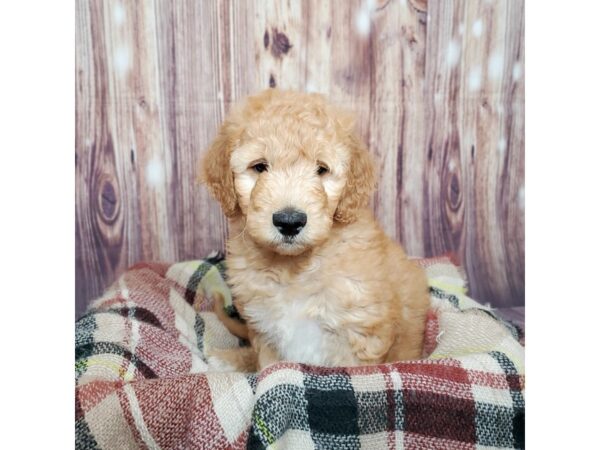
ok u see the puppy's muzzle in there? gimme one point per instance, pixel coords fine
(289, 221)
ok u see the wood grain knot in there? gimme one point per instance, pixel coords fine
(419, 5)
(266, 39)
(454, 193)
(281, 44)
(272, 82)
(380, 5)
(108, 202)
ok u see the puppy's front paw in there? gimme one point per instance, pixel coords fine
(239, 359)
(215, 364)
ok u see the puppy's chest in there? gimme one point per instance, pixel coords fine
(293, 321)
(296, 334)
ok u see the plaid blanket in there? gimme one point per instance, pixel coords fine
(142, 380)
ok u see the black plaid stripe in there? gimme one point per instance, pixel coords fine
(334, 381)
(215, 259)
(222, 269)
(138, 313)
(84, 335)
(494, 425)
(398, 410)
(252, 381)
(512, 378)
(194, 281)
(199, 328)
(84, 351)
(84, 439)
(254, 442)
(373, 411)
(336, 441)
(281, 408)
(335, 415)
(395, 404)
(453, 299)
(514, 330)
(217, 262)
(332, 409)
(84, 329)
(133, 313)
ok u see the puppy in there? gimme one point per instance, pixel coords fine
(311, 271)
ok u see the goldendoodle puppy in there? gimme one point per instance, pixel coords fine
(311, 271)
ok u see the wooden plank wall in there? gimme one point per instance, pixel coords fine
(437, 87)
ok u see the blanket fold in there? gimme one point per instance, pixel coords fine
(142, 379)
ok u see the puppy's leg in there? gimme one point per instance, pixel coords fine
(242, 359)
(370, 345)
(234, 326)
(267, 355)
(409, 340)
(407, 346)
(412, 304)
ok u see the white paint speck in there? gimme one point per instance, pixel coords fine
(474, 79)
(363, 22)
(155, 172)
(402, 2)
(122, 60)
(516, 72)
(501, 109)
(119, 14)
(521, 198)
(88, 142)
(452, 53)
(310, 87)
(495, 66)
(477, 28)
(502, 146)
(461, 29)
(451, 165)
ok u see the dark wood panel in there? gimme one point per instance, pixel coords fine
(475, 143)
(437, 89)
(106, 196)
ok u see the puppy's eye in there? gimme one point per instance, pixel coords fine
(260, 167)
(322, 170)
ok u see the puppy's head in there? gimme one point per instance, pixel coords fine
(290, 164)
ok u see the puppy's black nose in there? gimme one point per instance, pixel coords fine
(289, 221)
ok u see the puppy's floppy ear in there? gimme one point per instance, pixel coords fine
(360, 179)
(216, 171)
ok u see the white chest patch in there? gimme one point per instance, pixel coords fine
(302, 340)
(296, 336)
